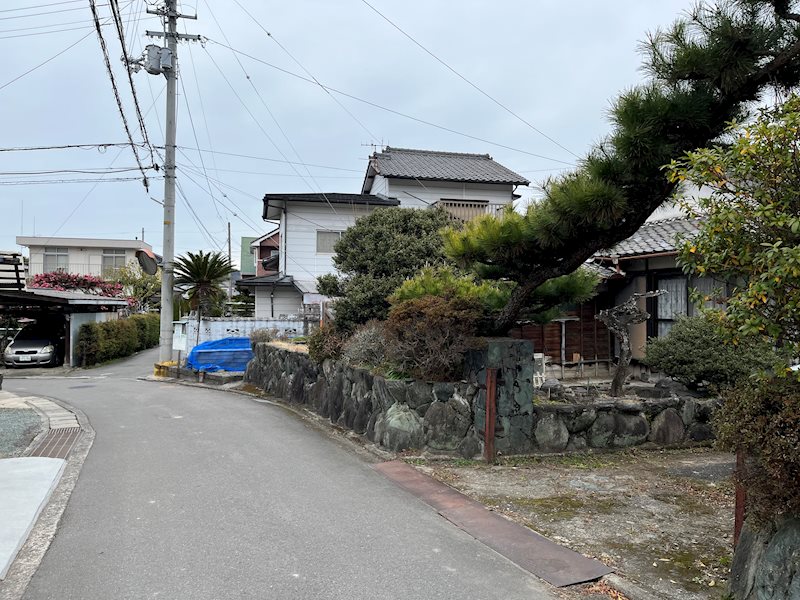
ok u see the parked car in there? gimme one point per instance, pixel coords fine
(37, 344)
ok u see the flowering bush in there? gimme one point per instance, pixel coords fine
(64, 282)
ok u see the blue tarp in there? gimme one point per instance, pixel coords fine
(227, 354)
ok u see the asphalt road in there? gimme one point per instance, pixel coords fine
(197, 494)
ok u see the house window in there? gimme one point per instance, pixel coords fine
(113, 259)
(55, 259)
(672, 305)
(326, 241)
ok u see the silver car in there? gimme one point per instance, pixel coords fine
(35, 345)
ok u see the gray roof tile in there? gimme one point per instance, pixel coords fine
(655, 237)
(442, 166)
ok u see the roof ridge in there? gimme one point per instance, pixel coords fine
(390, 149)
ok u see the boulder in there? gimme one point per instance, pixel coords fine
(669, 384)
(446, 423)
(701, 432)
(552, 388)
(401, 429)
(551, 434)
(471, 446)
(667, 428)
(577, 443)
(766, 564)
(601, 433)
(581, 420)
(630, 430)
(419, 393)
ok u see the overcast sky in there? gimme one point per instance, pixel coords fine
(558, 65)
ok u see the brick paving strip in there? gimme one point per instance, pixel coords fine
(63, 424)
(536, 554)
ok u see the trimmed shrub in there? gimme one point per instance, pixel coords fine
(325, 342)
(367, 346)
(762, 418)
(695, 352)
(427, 336)
(100, 342)
(259, 336)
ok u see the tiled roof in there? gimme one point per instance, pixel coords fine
(656, 237)
(333, 198)
(442, 166)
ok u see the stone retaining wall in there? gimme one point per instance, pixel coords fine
(447, 417)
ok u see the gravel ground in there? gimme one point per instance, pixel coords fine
(662, 519)
(18, 427)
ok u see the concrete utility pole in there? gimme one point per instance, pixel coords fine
(164, 61)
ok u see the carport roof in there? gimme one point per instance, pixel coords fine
(47, 297)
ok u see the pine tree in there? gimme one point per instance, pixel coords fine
(705, 71)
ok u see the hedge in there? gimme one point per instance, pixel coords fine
(100, 342)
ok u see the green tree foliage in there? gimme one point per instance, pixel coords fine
(750, 227)
(696, 352)
(704, 71)
(543, 305)
(749, 236)
(141, 289)
(201, 276)
(375, 255)
(101, 342)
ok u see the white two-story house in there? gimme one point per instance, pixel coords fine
(80, 256)
(466, 185)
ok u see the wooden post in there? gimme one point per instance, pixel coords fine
(491, 415)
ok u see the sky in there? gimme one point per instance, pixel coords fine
(548, 72)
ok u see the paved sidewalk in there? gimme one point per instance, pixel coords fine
(27, 482)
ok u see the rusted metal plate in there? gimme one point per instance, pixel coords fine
(547, 560)
(58, 442)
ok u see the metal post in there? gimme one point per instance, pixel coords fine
(489, 452)
(168, 250)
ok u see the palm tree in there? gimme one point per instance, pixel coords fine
(201, 277)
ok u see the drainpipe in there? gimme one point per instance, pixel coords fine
(272, 302)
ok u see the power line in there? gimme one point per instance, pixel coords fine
(88, 171)
(5, 10)
(40, 14)
(115, 11)
(288, 174)
(272, 116)
(110, 71)
(234, 154)
(299, 64)
(82, 180)
(65, 147)
(463, 78)
(391, 110)
(41, 64)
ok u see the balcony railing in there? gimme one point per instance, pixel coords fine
(466, 210)
(37, 268)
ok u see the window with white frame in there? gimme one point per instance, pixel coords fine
(326, 241)
(113, 259)
(55, 259)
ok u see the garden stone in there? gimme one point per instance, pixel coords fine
(423, 409)
(297, 389)
(577, 443)
(601, 433)
(395, 392)
(471, 446)
(671, 385)
(442, 392)
(335, 398)
(701, 432)
(630, 430)
(689, 411)
(551, 434)
(778, 573)
(377, 427)
(705, 409)
(552, 388)
(627, 405)
(667, 428)
(317, 394)
(419, 393)
(581, 420)
(362, 416)
(446, 424)
(515, 433)
(402, 429)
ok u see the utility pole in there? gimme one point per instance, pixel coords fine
(157, 61)
(230, 277)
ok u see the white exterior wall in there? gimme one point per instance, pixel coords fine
(82, 261)
(224, 327)
(285, 301)
(422, 194)
(300, 258)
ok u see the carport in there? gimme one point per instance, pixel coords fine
(75, 308)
